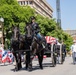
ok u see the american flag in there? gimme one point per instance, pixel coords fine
(4, 56)
(9, 56)
(50, 39)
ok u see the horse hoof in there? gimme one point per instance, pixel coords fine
(41, 68)
(29, 70)
(20, 67)
(26, 68)
(16, 69)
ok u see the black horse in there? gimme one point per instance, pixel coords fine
(35, 48)
(17, 45)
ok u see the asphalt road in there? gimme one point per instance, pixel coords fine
(67, 68)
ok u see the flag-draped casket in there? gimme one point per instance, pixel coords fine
(50, 39)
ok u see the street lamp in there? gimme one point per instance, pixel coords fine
(1, 29)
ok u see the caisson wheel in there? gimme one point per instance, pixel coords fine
(53, 56)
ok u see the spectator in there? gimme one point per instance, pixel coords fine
(73, 49)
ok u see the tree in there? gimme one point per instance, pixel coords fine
(13, 13)
(49, 27)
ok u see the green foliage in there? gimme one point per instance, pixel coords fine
(68, 40)
(50, 28)
(9, 2)
(13, 13)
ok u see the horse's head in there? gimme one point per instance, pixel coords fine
(15, 32)
(28, 30)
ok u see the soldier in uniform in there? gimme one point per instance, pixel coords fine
(36, 30)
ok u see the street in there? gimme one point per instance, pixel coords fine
(67, 68)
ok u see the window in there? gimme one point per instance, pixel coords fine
(30, 2)
(23, 2)
(27, 2)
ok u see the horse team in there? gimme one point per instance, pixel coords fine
(29, 45)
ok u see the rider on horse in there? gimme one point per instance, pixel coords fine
(36, 30)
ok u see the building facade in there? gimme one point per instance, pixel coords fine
(72, 33)
(41, 6)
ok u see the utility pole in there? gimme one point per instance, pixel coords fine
(58, 13)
